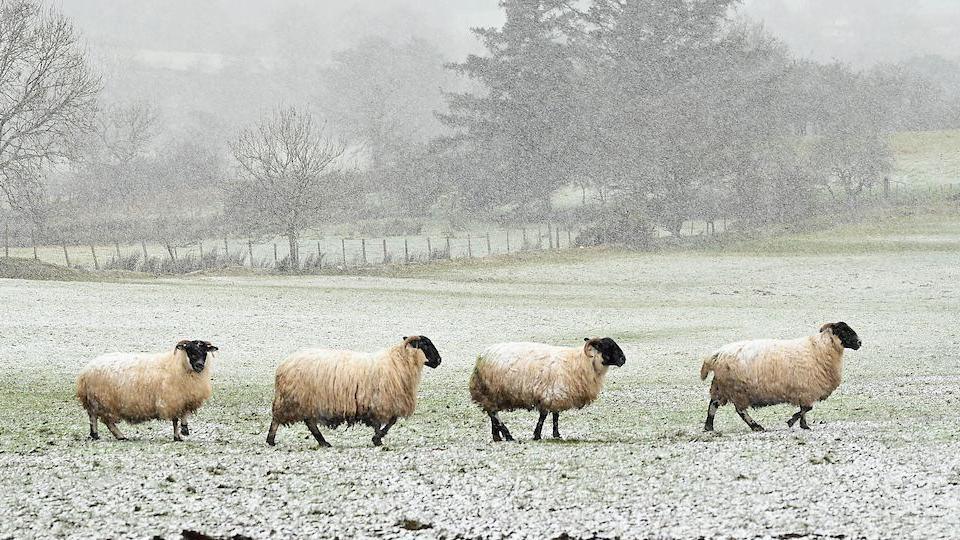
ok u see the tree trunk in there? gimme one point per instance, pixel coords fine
(294, 249)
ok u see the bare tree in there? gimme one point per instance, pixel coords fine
(126, 131)
(47, 92)
(289, 169)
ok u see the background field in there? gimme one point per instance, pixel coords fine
(926, 169)
(882, 460)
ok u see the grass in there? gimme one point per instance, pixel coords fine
(639, 445)
(927, 157)
(635, 463)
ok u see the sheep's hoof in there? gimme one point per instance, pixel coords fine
(326, 445)
(757, 427)
(95, 436)
(536, 437)
(271, 442)
(557, 436)
(185, 430)
(497, 439)
(178, 439)
(377, 441)
(804, 426)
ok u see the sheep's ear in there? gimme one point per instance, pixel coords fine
(586, 339)
(828, 326)
(182, 345)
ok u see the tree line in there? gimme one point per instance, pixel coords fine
(653, 112)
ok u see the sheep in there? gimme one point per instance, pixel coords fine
(765, 372)
(550, 379)
(336, 386)
(137, 387)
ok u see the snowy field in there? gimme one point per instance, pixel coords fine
(882, 460)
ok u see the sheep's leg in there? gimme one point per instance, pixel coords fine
(499, 429)
(750, 421)
(379, 434)
(556, 425)
(539, 429)
(494, 427)
(711, 412)
(112, 426)
(176, 430)
(272, 434)
(803, 417)
(93, 426)
(315, 431)
(800, 415)
(184, 428)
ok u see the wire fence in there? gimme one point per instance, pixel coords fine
(319, 253)
(343, 253)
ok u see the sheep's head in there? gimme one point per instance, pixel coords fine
(196, 352)
(424, 344)
(842, 331)
(608, 349)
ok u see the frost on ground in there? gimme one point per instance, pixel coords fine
(882, 460)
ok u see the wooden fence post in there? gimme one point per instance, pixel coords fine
(384, 251)
(508, 240)
(96, 263)
(469, 247)
(250, 251)
(406, 252)
(200, 242)
(66, 256)
(33, 240)
(488, 244)
(429, 250)
(116, 244)
(226, 248)
(524, 239)
(276, 260)
(569, 241)
(363, 250)
(143, 245)
(556, 231)
(449, 253)
(343, 251)
(549, 235)
(6, 239)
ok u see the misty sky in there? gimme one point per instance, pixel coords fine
(857, 31)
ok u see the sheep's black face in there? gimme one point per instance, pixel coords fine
(848, 338)
(424, 344)
(196, 352)
(609, 350)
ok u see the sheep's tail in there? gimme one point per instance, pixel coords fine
(708, 364)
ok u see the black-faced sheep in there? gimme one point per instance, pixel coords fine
(136, 387)
(765, 372)
(335, 387)
(550, 379)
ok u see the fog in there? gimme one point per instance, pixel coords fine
(236, 233)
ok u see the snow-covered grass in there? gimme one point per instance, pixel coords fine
(882, 460)
(927, 157)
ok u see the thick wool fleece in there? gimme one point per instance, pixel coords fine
(768, 372)
(511, 376)
(142, 386)
(335, 386)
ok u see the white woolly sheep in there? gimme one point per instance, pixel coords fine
(136, 387)
(335, 387)
(550, 379)
(765, 372)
